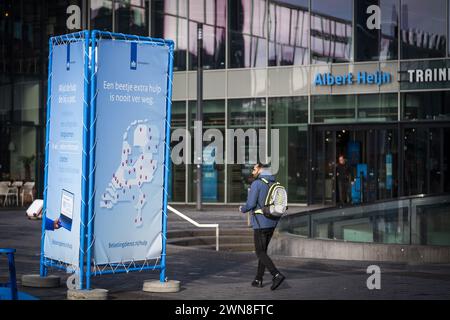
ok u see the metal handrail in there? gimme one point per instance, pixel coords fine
(199, 225)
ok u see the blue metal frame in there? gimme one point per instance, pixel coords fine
(46, 262)
(93, 78)
(162, 276)
(12, 284)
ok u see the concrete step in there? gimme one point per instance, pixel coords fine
(210, 240)
(198, 232)
(221, 223)
(231, 247)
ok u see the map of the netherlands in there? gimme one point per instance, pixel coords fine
(135, 168)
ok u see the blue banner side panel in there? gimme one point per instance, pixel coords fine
(130, 129)
(64, 167)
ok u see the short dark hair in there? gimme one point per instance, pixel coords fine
(261, 165)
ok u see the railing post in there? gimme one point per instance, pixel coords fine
(217, 238)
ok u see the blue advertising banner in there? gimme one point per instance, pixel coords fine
(63, 199)
(389, 171)
(209, 175)
(129, 150)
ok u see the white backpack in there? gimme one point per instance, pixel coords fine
(276, 201)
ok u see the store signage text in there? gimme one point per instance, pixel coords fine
(73, 22)
(363, 78)
(429, 75)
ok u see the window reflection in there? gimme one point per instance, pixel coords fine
(212, 14)
(213, 183)
(177, 180)
(333, 108)
(290, 116)
(130, 17)
(426, 105)
(288, 33)
(374, 44)
(169, 21)
(247, 24)
(423, 29)
(377, 107)
(331, 31)
(101, 15)
(243, 114)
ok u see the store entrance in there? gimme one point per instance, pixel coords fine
(367, 170)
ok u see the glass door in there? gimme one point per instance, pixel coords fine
(371, 160)
(323, 169)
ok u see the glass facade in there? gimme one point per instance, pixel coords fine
(213, 174)
(374, 44)
(169, 21)
(288, 33)
(243, 114)
(426, 105)
(331, 31)
(290, 116)
(213, 16)
(423, 29)
(260, 59)
(247, 33)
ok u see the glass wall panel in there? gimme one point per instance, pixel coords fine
(247, 33)
(331, 31)
(288, 32)
(426, 105)
(169, 21)
(213, 177)
(376, 44)
(333, 108)
(432, 222)
(22, 37)
(378, 107)
(101, 15)
(415, 161)
(423, 29)
(434, 160)
(250, 116)
(26, 102)
(177, 180)
(131, 17)
(290, 116)
(375, 223)
(212, 13)
(446, 159)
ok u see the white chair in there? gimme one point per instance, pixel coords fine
(15, 187)
(27, 189)
(13, 192)
(4, 188)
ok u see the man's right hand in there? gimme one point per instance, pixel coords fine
(56, 224)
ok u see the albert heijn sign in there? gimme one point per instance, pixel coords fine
(360, 78)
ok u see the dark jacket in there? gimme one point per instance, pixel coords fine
(256, 199)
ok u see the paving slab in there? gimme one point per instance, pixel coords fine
(209, 275)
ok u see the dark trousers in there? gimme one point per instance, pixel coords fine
(262, 238)
(342, 191)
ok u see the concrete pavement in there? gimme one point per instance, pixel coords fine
(207, 275)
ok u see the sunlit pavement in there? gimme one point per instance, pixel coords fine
(206, 274)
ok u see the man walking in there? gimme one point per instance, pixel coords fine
(263, 227)
(342, 173)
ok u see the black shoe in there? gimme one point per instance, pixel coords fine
(257, 283)
(277, 280)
